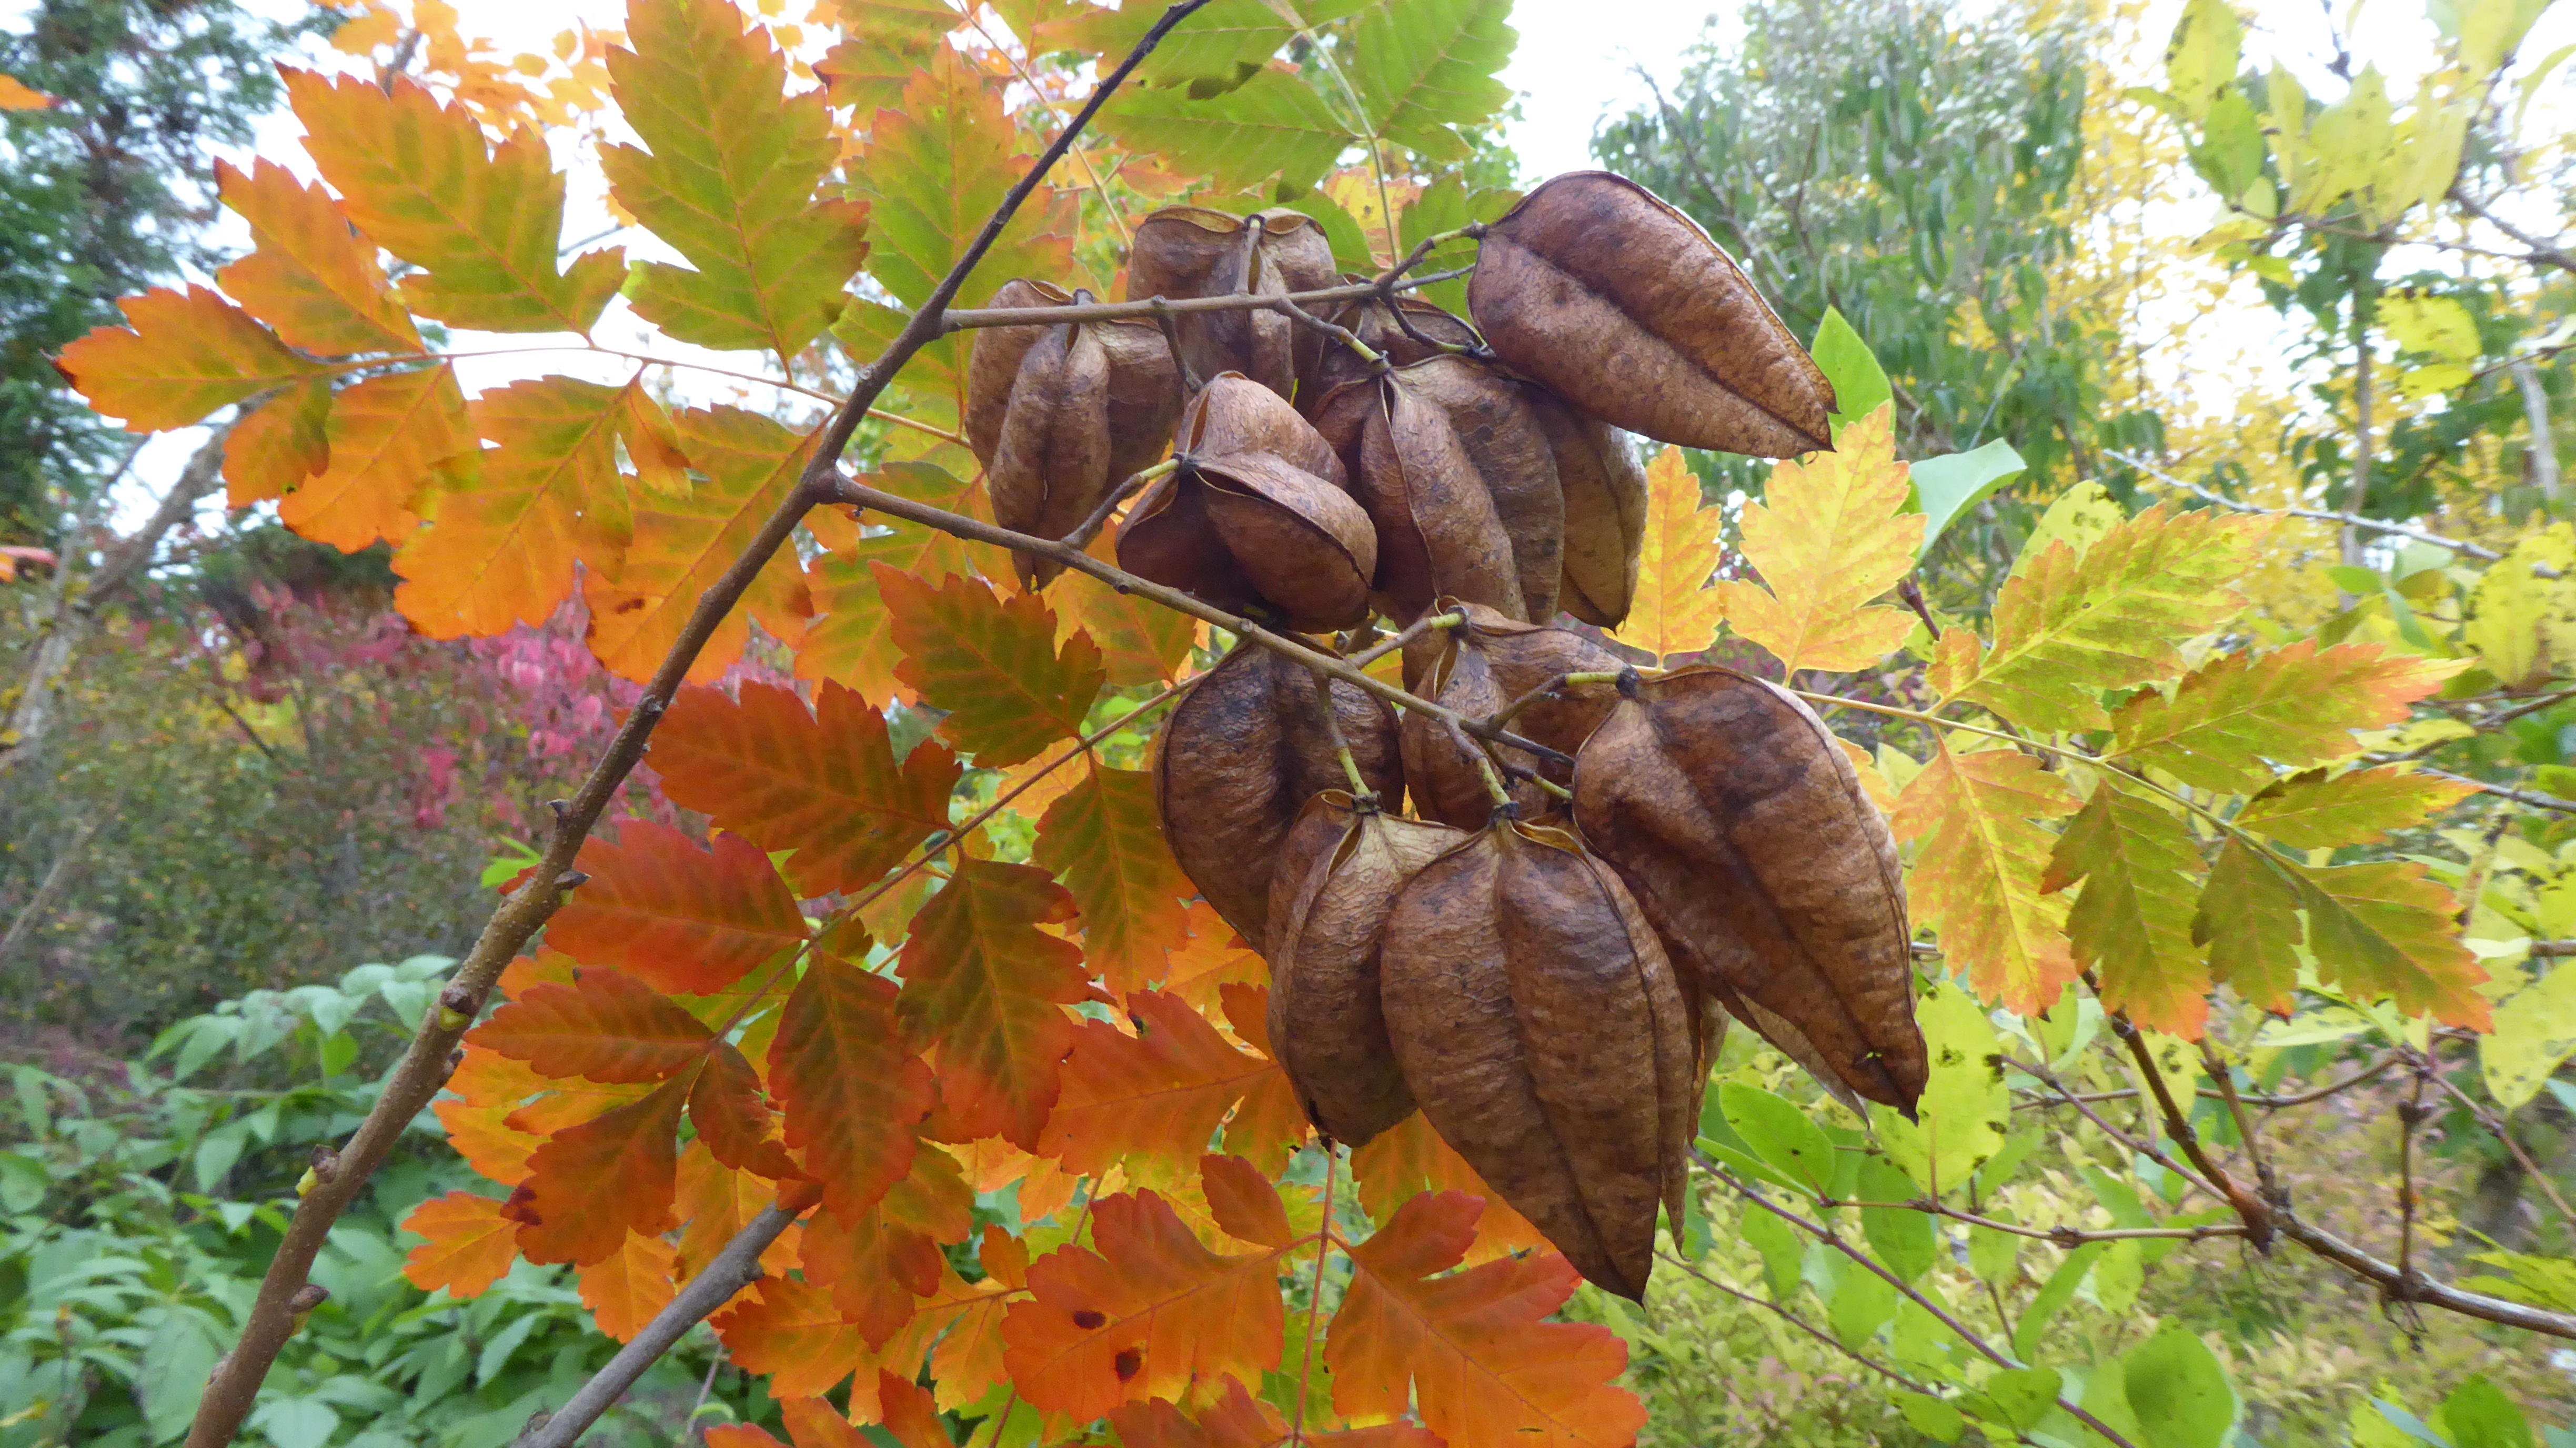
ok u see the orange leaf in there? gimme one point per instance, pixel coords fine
(1977, 871)
(1828, 537)
(503, 549)
(180, 356)
(1214, 957)
(1157, 1095)
(732, 1116)
(988, 988)
(815, 1423)
(2236, 718)
(484, 1137)
(876, 1270)
(1244, 1202)
(470, 1244)
(967, 1322)
(287, 440)
(992, 664)
(626, 1288)
(1409, 1159)
(1141, 642)
(17, 95)
(854, 1092)
(592, 1183)
(1675, 612)
(683, 919)
(387, 436)
(790, 1331)
(827, 788)
(682, 545)
(311, 278)
(1240, 1420)
(1471, 1348)
(851, 641)
(1149, 1313)
(1269, 1126)
(483, 223)
(1104, 839)
(716, 1202)
(606, 1026)
(909, 1414)
(740, 1435)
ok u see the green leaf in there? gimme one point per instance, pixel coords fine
(1271, 129)
(2018, 1397)
(2052, 1298)
(1902, 1237)
(936, 168)
(727, 176)
(1424, 66)
(2436, 325)
(2080, 517)
(2311, 812)
(2540, 1281)
(1951, 484)
(1860, 384)
(1446, 205)
(1784, 1252)
(2178, 1391)
(2535, 1031)
(1220, 43)
(2139, 868)
(1963, 1110)
(2201, 59)
(1995, 1257)
(2478, 1415)
(1780, 1133)
(2236, 718)
(2385, 929)
(2248, 917)
(2112, 618)
(1932, 1418)
(1863, 1303)
(1341, 230)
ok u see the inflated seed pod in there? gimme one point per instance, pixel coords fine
(1478, 668)
(1190, 251)
(1242, 753)
(1604, 488)
(1544, 1034)
(1254, 514)
(1329, 901)
(1742, 830)
(1060, 415)
(1601, 290)
(1373, 321)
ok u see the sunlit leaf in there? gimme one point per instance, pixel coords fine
(1829, 536)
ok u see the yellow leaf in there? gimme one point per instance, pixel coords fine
(1979, 853)
(1675, 612)
(2535, 1030)
(1829, 539)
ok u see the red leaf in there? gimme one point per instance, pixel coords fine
(469, 1244)
(1149, 1313)
(1473, 1348)
(605, 1026)
(1155, 1096)
(590, 1184)
(732, 1117)
(988, 989)
(828, 788)
(683, 919)
(992, 664)
(878, 1264)
(854, 1091)
(909, 1414)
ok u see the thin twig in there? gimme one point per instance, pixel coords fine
(234, 1385)
(2350, 520)
(2519, 796)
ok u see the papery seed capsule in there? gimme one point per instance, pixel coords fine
(1728, 809)
(1374, 322)
(1060, 415)
(1190, 251)
(1541, 1028)
(1254, 515)
(1479, 668)
(1241, 754)
(1329, 902)
(1605, 512)
(1619, 303)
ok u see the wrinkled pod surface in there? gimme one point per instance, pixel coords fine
(1541, 1028)
(1190, 251)
(1479, 668)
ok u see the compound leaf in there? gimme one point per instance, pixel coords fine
(992, 663)
(1830, 535)
(987, 988)
(681, 918)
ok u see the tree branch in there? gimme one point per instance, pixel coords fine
(2349, 520)
(234, 1386)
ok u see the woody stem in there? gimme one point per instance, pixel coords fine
(1090, 527)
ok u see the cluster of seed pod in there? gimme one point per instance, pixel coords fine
(1600, 866)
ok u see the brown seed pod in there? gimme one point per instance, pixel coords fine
(1059, 416)
(1730, 812)
(1329, 899)
(1605, 512)
(1190, 251)
(1540, 1026)
(1601, 290)
(1373, 321)
(1255, 514)
(1479, 668)
(1454, 468)
(1242, 752)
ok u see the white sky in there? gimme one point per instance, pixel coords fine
(1575, 62)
